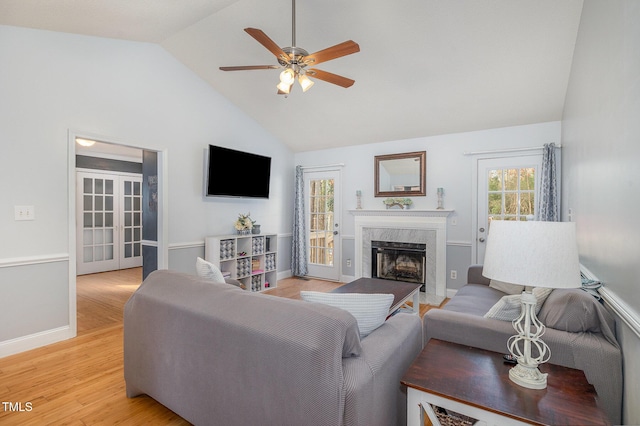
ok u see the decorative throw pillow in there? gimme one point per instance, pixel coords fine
(509, 307)
(208, 270)
(572, 310)
(506, 287)
(370, 310)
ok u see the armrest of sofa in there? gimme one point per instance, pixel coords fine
(474, 275)
(373, 393)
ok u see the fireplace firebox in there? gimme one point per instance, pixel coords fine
(398, 261)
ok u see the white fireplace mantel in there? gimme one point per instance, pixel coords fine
(403, 223)
(402, 213)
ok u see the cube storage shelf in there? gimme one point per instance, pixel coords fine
(250, 259)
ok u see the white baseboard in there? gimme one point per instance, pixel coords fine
(284, 274)
(36, 340)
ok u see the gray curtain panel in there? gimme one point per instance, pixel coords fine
(549, 205)
(299, 243)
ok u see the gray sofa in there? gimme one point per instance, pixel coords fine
(580, 333)
(219, 355)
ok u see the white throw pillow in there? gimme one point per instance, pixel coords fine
(208, 270)
(509, 307)
(370, 310)
(506, 287)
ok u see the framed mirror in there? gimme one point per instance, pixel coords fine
(398, 175)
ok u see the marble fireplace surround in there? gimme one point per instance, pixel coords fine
(427, 227)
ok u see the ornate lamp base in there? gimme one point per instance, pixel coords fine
(528, 377)
(529, 328)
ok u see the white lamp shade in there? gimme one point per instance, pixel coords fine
(537, 254)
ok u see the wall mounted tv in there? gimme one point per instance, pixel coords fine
(232, 173)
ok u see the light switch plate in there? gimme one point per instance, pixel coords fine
(25, 212)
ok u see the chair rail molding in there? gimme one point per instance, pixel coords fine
(33, 260)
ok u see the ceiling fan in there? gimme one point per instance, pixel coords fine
(295, 60)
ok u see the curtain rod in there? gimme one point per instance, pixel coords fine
(498, 151)
(323, 166)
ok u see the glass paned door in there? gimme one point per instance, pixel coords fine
(506, 190)
(108, 222)
(96, 224)
(131, 222)
(322, 224)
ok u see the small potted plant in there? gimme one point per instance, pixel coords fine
(244, 224)
(403, 203)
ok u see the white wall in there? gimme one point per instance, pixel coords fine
(126, 92)
(447, 167)
(601, 176)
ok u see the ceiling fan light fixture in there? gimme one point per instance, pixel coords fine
(305, 82)
(287, 76)
(284, 87)
(85, 142)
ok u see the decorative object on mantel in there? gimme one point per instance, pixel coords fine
(358, 199)
(403, 203)
(440, 198)
(536, 254)
(244, 224)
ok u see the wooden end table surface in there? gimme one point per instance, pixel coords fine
(401, 290)
(480, 379)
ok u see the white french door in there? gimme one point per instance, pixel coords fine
(507, 188)
(322, 204)
(108, 222)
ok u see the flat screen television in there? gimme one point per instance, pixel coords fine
(232, 173)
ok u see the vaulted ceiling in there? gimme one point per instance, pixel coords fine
(425, 67)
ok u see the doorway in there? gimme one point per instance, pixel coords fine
(154, 248)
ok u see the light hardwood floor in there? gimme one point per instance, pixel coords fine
(81, 381)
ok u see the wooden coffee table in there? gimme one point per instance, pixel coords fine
(475, 383)
(402, 291)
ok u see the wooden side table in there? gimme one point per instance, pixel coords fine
(475, 383)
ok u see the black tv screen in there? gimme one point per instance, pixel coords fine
(232, 173)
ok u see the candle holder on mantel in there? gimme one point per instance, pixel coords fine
(440, 198)
(359, 200)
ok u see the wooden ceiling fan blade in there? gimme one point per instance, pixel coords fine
(250, 67)
(339, 50)
(271, 45)
(330, 77)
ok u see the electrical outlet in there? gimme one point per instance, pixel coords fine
(454, 274)
(25, 212)
(348, 263)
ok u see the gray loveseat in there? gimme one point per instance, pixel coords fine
(580, 333)
(219, 355)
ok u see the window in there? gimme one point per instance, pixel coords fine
(511, 193)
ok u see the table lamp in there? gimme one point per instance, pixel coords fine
(533, 254)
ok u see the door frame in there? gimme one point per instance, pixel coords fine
(499, 154)
(337, 218)
(163, 209)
